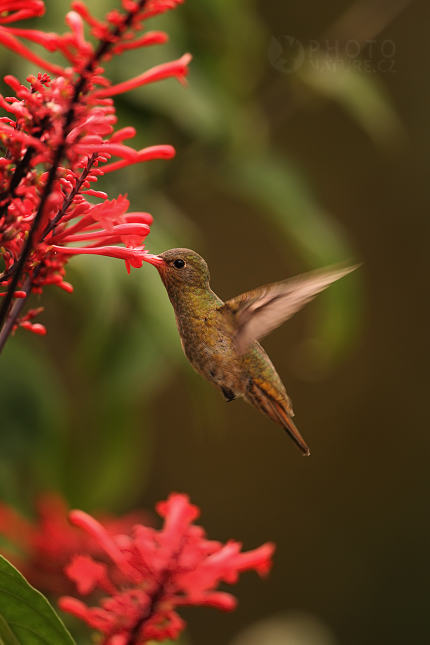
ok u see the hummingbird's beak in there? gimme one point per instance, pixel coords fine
(154, 259)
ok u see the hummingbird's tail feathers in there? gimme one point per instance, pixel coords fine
(277, 411)
(286, 422)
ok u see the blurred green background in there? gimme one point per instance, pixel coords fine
(294, 150)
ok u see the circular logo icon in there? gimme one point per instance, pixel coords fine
(286, 54)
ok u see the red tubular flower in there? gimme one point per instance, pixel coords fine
(13, 10)
(152, 572)
(41, 549)
(177, 68)
(153, 152)
(58, 133)
(7, 39)
(151, 38)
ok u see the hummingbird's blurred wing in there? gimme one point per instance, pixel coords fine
(260, 311)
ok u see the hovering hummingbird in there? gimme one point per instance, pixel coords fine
(220, 338)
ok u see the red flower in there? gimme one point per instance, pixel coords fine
(12, 10)
(42, 549)
(154, 572)
(58, 133)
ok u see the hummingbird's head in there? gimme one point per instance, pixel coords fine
(181, 268)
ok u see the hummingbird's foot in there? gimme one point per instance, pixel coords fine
(228, 394)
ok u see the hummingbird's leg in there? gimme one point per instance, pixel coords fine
(228, 394)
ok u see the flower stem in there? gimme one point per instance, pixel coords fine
(14, 314)
(20, 171)
(135, 632)
(156, 597)
(70, 197)
(29, 241)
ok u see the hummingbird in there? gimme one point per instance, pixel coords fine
(220, 339)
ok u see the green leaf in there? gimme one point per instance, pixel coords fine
(26, 617)
(7, 637)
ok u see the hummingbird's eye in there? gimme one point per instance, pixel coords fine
(179, 264)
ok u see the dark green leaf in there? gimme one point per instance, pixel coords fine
(7, 637)
(26, 617)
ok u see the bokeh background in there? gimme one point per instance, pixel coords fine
(300, 143)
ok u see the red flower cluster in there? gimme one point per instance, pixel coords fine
(41, 549)
(58, 135)
(154, 572)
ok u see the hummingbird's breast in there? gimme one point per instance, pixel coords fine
(207, 340)
(206, 329)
